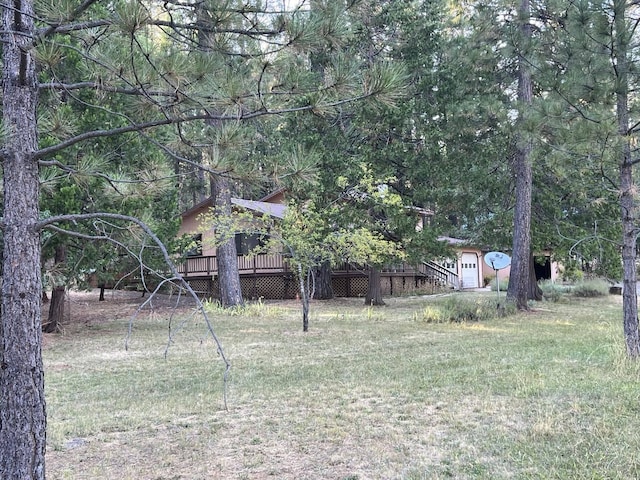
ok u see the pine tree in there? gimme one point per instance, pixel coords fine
(146, 57)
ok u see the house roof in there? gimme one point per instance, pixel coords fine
(208, 202)
(454, 241)
(273, 209)
(258, 206)
(274, 194)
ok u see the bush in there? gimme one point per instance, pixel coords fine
(456, 309)
(591, 288)
(504, 284)
(553, 292)
(572, 273)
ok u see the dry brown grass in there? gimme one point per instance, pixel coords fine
(366, 394)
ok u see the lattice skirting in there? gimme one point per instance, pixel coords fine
(279, 287)
(272, 287)
(350, 286)
(390, 285)
(269, 287)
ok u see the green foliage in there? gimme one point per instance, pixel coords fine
(457, 309)
(503, 284)
(591, 288)
(554, 292)
(256, 309)
(572, 272)
(305, 237)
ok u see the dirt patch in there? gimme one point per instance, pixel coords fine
(85, 307)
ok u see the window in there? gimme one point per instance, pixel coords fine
(196, 246)
(246, 243)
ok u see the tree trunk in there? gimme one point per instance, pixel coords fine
(324, 287)
(56, 310)
(627, 186)
(22, 404)
(226, 253)
(304, 298)
(535, 292)
(518, 290)
(374, 291)
(56, 307)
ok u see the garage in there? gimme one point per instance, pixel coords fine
(469, 270)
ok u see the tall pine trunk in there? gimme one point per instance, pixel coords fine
(22, 404)
(226, 253)
(518, 290)
(627, 185)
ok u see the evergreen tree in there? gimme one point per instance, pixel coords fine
(146, 57)
(595, 76)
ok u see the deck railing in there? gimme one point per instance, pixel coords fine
(254, 264)
(444, 275)
(208, 266)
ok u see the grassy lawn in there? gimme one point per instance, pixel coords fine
(366, 394)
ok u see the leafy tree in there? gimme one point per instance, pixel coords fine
(305, 242)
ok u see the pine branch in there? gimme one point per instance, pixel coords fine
(101, 87)
(139, 127)
(55, 28)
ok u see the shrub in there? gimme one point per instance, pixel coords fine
(591, 288)
(462, 310)
(456, 309)
(504, 284)
(553, 292)
(572, 273)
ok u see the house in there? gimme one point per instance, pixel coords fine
(468, 264)
(265, 275)
(474, 272)
(269, 276)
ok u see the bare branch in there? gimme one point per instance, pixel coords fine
(50, 222)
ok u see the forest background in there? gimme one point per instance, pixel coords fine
(515, 123)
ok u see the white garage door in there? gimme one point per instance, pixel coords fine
(469, 270)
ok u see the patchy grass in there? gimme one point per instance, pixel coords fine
(366, 394)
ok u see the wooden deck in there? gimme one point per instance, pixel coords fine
(269, 276)
(247, 265)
